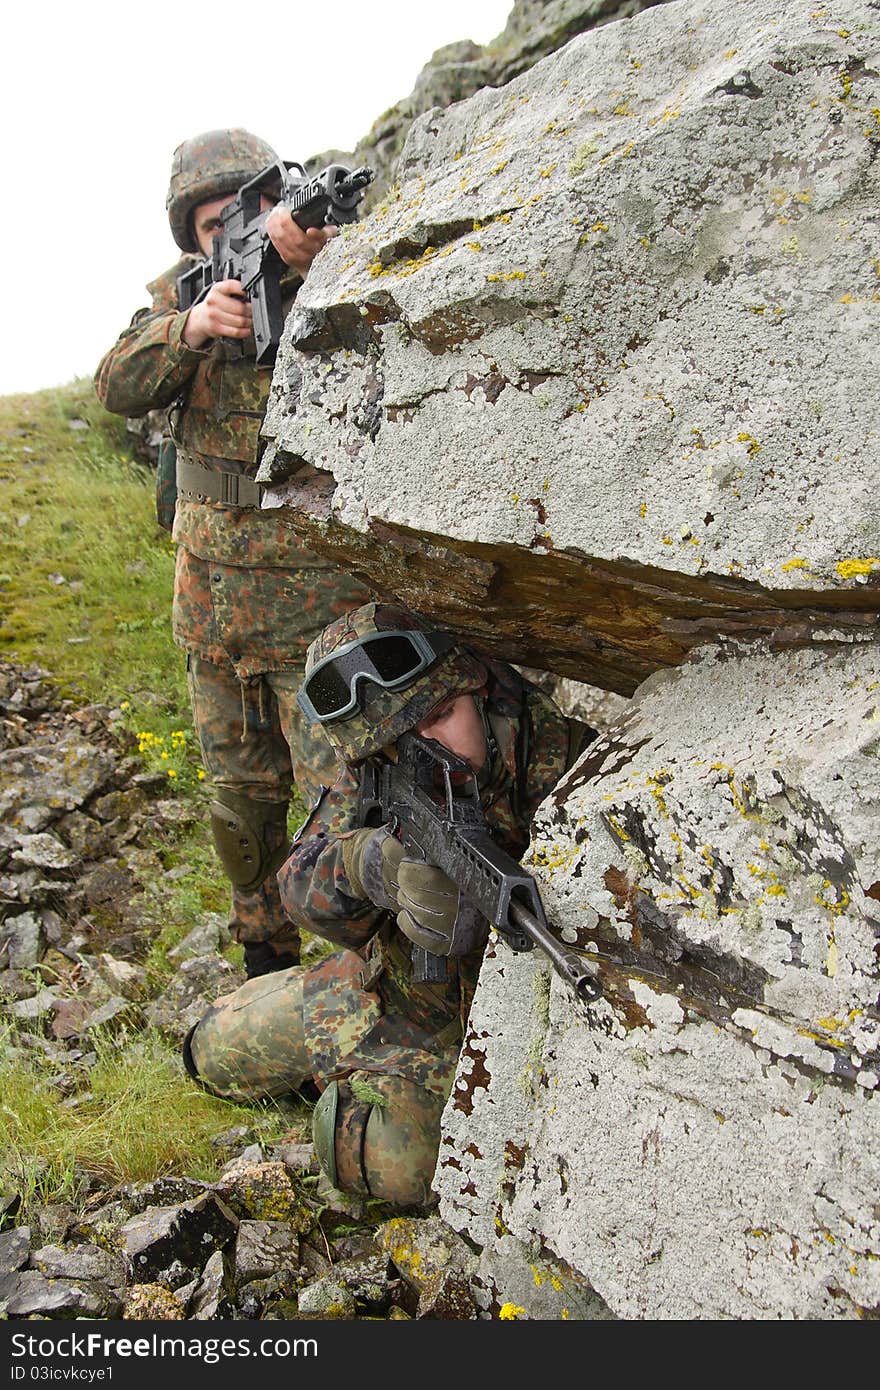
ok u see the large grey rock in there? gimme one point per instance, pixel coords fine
(703, 1141)
(600, 382)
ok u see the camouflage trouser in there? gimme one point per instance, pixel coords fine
(388, 1079)
(255, 743)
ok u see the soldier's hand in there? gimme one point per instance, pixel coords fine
(370, 858)
(296, 247)
(434, 914)
(223, 313)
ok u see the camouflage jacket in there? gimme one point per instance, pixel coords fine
(217, 399)
(534, 745)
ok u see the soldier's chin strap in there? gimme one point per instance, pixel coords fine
(484, 776)
(494, 777)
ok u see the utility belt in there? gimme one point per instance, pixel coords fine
(196, 483)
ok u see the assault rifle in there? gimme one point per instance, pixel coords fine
(242, 248)
(452, 834)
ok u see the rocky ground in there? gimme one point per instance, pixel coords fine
(82, 882)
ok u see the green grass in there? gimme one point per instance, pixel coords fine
(140, 1119)
(77, 508)
(76, 504)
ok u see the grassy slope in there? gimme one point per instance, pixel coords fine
(75, 507)
(85, 592)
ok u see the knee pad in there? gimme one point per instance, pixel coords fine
(250, 1043)
(250, 837)
(378, 1135)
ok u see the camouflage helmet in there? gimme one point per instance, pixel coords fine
(381, 716)
(206, 167)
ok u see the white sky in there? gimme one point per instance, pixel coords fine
(94, 98)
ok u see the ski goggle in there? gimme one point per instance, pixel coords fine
(391, 660)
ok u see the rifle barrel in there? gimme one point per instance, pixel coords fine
(568, 965)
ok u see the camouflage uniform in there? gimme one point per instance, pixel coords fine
(248, 596)
(382, 1048)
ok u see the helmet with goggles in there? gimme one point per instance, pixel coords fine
(378, 671)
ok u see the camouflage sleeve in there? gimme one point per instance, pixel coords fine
(314, 888)
(149, 363)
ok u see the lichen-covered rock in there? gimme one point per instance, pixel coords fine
(327, 1298)
(600, 382)
(153, 1301)
(30, 1294)
(125, 979)
(15, 1249)
(703, 1140)
(88, 1263)
(44, 851)
(212, 1296)
(22, 939)
(265, 1192)
(205, 939)
(262, 1248)
(47, 778)
(435, 1262)
(457, 70)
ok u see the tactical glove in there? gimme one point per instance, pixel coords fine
(371, 858)
(434, 914)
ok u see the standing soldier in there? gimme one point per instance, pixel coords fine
(381, 1046)
(248, 596)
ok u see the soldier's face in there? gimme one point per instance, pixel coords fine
(458, 726)
(206, 219)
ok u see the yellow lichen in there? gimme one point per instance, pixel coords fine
(754, 446)
(852, 569)
(509, 1312)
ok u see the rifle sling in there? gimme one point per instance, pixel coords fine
(196, 483)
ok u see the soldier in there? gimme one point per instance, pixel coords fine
(248, 595)
(381, 1048)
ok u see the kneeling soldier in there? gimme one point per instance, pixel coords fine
(381, 1046)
